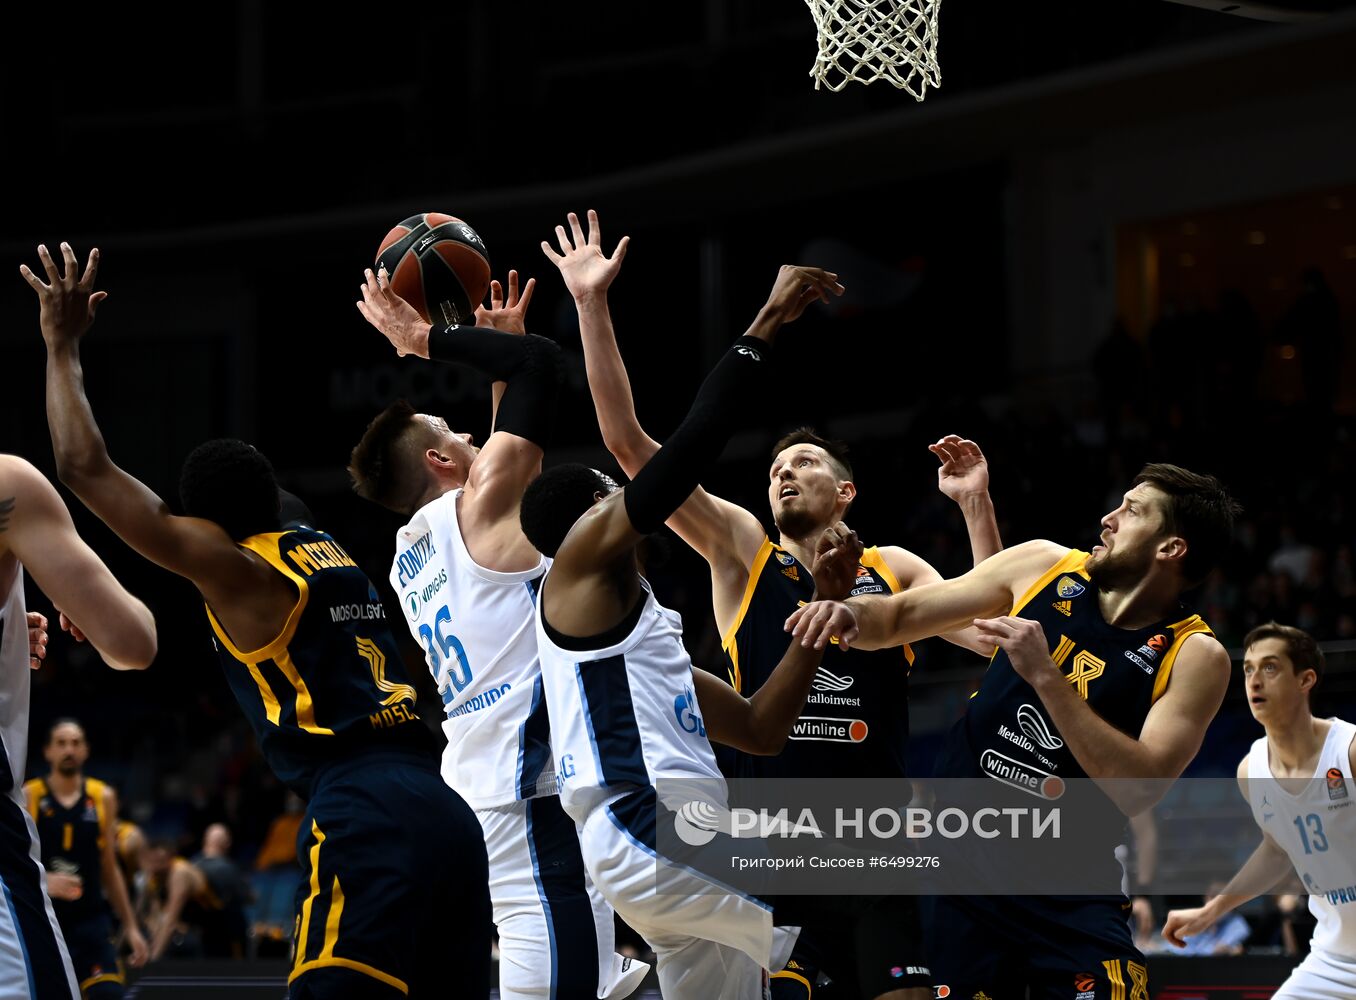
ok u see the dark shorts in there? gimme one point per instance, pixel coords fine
(90, 943)
(394, 898)
(1062, 948)
(866, 945)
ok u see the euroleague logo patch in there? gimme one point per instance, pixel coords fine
(1337, 784)
(1085, 986)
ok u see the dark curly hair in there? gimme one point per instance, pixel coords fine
(1200, 509)
(556, 499)
(232, 483)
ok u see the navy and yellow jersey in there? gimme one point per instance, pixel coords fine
(856, 719)
(1120, 673)
(72, 841)
(332, 683)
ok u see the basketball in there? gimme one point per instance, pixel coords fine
(438, 264)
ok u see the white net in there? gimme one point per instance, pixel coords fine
(864, 41)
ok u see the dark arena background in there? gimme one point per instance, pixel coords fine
(1119, 232)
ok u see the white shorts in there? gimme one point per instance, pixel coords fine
(34, 963)
(1321, 976)
(712, 941)
(556, 932)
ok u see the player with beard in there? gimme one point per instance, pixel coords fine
(856, 721)
(76, 818)
(1098, 656)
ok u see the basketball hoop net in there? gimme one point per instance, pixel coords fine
(869, 40)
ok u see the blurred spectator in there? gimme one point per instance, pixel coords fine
(223, 925)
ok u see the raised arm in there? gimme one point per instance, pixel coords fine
(607, 531)
(761, 723)
(876, 622)
(37, 529)
(963, 476)
(191, 547)
(530, 369)
(724, 534)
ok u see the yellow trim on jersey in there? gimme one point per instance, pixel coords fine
(272, 710)
(1072, 562)
(332, 920)
(36, 789)
(1180, 631)
(755, 571)
(872, 559)
(788, 974)
(107, 977)
(736, 678)
(96, 789)
(310, 898)
(267, 546)
(305, 707)
(348, 963)
(376, 660)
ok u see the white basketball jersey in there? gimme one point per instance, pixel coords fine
(625, 716)
(1317, 828)
(14, 686)
(478, 632)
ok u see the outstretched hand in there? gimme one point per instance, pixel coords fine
(837, 556)
(67, 301)
(964, 470)
(507, 314)
(393, 316)
(795, 288)
(583, 265)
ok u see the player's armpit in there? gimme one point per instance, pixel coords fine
(492, 499)
(191, 547)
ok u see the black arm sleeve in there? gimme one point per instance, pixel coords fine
(532, 366)
(676, 469)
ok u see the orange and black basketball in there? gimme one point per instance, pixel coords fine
(438, 264)
(1084, 982)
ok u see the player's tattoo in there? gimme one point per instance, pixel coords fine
(6, 509)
